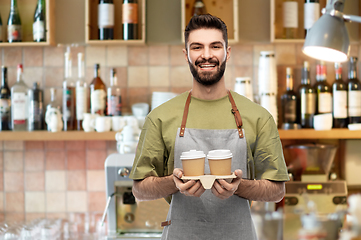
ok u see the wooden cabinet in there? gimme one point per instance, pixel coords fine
(351, 7)
(227, 10)
(91, 24)
(26, 9)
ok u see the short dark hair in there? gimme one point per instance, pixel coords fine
(206, 21)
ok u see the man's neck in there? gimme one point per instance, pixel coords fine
(213, 92)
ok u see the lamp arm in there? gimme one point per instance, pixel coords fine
(351, 18)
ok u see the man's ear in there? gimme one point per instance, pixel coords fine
(228, 53)
(185, 54)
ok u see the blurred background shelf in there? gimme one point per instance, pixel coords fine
(313, 134)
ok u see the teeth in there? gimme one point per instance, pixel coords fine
(206, 65)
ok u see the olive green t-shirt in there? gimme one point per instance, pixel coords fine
(155, 151)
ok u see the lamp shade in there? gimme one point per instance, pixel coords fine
(328, 40)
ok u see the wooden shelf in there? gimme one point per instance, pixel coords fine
(313, 134)
(26, 10)
(56, 136)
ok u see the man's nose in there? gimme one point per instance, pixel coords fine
(207, 54)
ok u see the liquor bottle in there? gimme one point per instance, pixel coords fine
(130, 19)
(97, 93)
(106, 19)
(323, 90)
(68, 108)
(199, 8)
(307, 98)
(354, 93)
(290, 19)
(114, 99)
(39, 33)
(339, 99)
(311, 14)
(1, 30)
(5, 101)
(53, 103)
(36, 112)
(14, 23)
(19, 100)
(289, 100)
(81, 94)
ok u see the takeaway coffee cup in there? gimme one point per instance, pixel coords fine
(193, 163)
(220, 162)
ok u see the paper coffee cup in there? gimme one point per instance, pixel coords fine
(193, 163)
(220, 162)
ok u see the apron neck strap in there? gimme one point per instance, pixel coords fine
(234, 111)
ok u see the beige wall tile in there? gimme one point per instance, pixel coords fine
(177, 57)
(97, 201)
(2, 201)
(76, 180)
(285, 54)
(75, 145)
(60, 215)
(15, 217)
(34, 145)
(55, 202)
(1, 181)
(33, 74)
(55, 160)
(76, 159)
(1, 161)
(242, 55)
(137, 56)
(54, 56)
(76, 201)
(96, 145)
(55, 181)
(12, 56)
(138, 77)
(158, 55)
(117, 56)
(14, 181)
(95, 55)
(13, 161)
(29, 217)
(35, 202)
(33, 56)
(180, 77)
(54, 77)
(53, 145)
(301, 57)
(14, 202)
(35, 181)
(95, 159)
(1, 145)
(95, 180)
(159, 76)
(13, 145)
(34, 161)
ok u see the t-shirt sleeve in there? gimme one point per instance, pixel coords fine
(268, 155)
(150, 154)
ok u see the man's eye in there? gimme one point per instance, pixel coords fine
(217, 46)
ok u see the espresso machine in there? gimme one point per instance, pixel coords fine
(311, 190)
(128, 218)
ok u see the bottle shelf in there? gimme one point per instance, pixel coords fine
(226, 10)
(314, 134)
(91, 24)
(26, 11)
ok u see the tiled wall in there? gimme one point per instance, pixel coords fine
(53, 179)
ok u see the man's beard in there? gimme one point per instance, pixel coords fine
(207, 78)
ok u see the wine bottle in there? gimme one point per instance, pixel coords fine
(81, 94)
(307, 98)
(5, 101)
(97, 93)
(199, 8)
(130, 19)
(114, 98)
(106, 19)
(311, 14)
(53, 103)
(1, 30)
(68, 109)
(339, 99)
(14, 23)
(354, 93)
(39, 33)
(290, 19)
(323, 90)
(289, 100)
(19, 103)
(36, 112)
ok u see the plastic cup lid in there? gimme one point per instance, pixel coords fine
(219, 154)
(192, 154)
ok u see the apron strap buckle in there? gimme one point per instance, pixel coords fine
(166, 223)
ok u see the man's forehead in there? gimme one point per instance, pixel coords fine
(205, 36)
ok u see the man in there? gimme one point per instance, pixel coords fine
(207, 118)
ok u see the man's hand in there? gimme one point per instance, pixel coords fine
(189, 188)
(223, 190)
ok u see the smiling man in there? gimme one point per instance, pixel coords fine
(206, 118)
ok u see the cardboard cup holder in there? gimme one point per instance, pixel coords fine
(208, 180)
